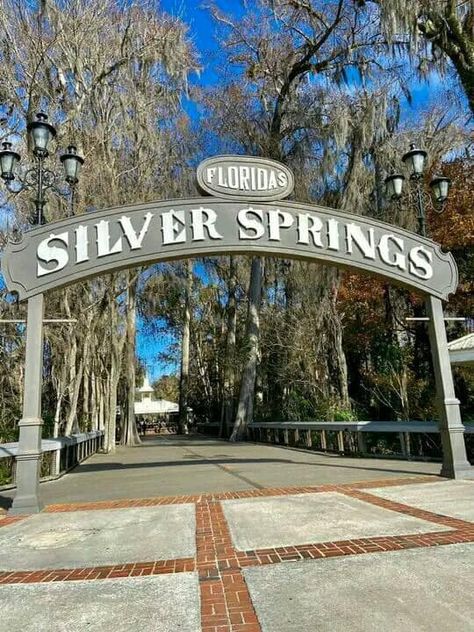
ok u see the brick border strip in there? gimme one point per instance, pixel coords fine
(240, 495)
(378, 544)
(423, 514)
(138, 569)
(226, 605)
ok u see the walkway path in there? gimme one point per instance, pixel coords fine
(175, 466)
(394, 551)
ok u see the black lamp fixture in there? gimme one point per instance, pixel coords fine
(8, 161)
(415, 162)
(394, 184)
(440, 190)
(40, 133)
(72, 163)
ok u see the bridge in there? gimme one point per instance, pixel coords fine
(196, 534)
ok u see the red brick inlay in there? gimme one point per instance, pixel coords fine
(226, 605)
(138, 569)
(447, 521)
(6, 520)
(247, 493)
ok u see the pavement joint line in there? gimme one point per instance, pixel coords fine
(226, 469)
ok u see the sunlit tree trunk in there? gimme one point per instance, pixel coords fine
(130, 432)
(247, 386)
(229, 365)
(184, 377)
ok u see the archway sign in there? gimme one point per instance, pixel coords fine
(244, 212)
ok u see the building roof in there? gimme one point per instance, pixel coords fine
(461, 350)
(155, 407)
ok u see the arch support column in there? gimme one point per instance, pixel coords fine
(28, 459)
(455, 463)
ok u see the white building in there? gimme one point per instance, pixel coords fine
(147, 405)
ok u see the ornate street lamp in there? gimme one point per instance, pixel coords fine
(415, 161)
(40, 178)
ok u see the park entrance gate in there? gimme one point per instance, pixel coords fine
(244, 213)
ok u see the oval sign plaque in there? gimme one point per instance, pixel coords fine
(245, 178)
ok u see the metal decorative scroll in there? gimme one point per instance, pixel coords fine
(88, 245)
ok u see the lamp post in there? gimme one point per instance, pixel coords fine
(39, 177)
(455, 462)
(415, 160)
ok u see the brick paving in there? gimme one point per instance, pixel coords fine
(225, 601)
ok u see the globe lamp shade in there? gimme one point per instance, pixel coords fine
(72, 164)
(415, 161)
(394, 185)
(8, 161)
(440, 188)
(41, 133)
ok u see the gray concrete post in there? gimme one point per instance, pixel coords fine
(286, 440)
(309, 439)
(455, 463)
(28, 459)
(297, 436)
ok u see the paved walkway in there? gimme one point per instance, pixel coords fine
(323, 552)
(171, 466)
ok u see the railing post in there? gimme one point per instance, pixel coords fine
(340, 441)
(57, 462)
(324, 442)
(276, 435)
(309, 440)
(297, 435)
(361, 442)
(285, 436)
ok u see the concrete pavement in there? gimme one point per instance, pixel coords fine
(296, 542)
(193, 465)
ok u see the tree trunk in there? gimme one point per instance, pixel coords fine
(184, 377)
(247, 386)
(130, 432)
(229, 366)
(117, 341)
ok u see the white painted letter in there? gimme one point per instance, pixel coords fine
(133, 239)
(309, 224)
(211, 172)
(354, 235)
(48, 253)
(198, 223)
(420, 262)
(333, 234)
(103, 240)
(248, 223)
(274, 223)
(82, 244)
(399, 260)
(171, 229)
